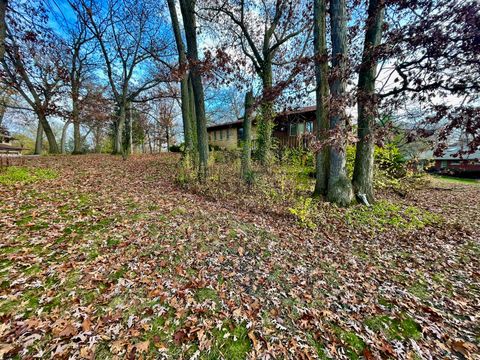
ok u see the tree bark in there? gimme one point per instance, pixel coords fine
(193, 117)
(189, 21)
(364, 157)
(120, 126)
(339, 186)
(3, 28)
(246, 169)
(64, 136)
(321, 75)
(97, 135)
(39, 139)
(184, 82)
(130, 129)
(77, 144)
(52, 142)
(265, 126)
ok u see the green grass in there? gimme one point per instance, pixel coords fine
(21, 175)
(456, 180)
(231, 342)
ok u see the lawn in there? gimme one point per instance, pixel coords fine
(105, 258)
(456, 180)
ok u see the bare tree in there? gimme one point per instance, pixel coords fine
(35, 66)
(190, 25)
(127, 33)
(268, 33)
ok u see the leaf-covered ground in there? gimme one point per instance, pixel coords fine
(105, 258)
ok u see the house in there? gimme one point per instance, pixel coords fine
(448, 163)
(6, 145)
(288, 130)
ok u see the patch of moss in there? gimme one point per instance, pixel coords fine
(385, 214)
(112, 242)
(354, 345)
(398, 328)
(206, 294)
(15, 175)
(420, 290)
(116, 275)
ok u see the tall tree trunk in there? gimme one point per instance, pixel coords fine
(64, 136)
(3, 107)
(39, 139)
(52, 142)
(265, 126)
(189, 21)
(97, 139)
(167, 134)
(77, 144)
(363, 171)
(184, 93)
(193, 117)
(130, 129)
(119, 129)
(246, 170)
(3, 28)
(339, 186)
(321, 75)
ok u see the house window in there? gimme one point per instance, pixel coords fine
(309, 127)
(228, 134)
(215, 135)
(443, 164)
(240, 133)
(297, 129)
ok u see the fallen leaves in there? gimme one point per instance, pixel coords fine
(63, 328)
(145, 273)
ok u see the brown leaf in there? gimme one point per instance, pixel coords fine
(86, 324)
(178, 336)
(143, 346)
(241, 251)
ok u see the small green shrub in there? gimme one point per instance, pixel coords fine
(296, 157)
(14, 175)
(303, 211)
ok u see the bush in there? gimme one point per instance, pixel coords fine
(296, 156)
(391, 169)
(175, 148)
(226, 156)
(214, 148)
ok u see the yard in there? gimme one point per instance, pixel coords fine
(105, 258)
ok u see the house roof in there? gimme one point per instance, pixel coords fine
(6, 147)
(239, 122)
(449, 155)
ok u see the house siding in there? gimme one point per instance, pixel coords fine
(218, 137)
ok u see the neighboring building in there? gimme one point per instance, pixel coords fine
(449, 164)
(6, 145)
(288, 130)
